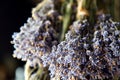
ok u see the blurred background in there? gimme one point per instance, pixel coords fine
(13, 14)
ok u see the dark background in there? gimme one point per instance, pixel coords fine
(13, 14)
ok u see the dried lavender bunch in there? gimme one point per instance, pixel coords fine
(36, 39)
(86, 56)
(65, 59)
(37, 36)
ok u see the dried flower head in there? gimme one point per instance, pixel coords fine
(65, 59)
(36, 37)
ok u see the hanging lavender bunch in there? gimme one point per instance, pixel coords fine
(37, 36)
(65, 59)
(83, 56)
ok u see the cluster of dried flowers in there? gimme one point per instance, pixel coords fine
(88, 52)
(87, 55)
(37, 36)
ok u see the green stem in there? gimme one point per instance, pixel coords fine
(66, 19)
(92, 11)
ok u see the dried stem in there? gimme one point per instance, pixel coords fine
(81, 9)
